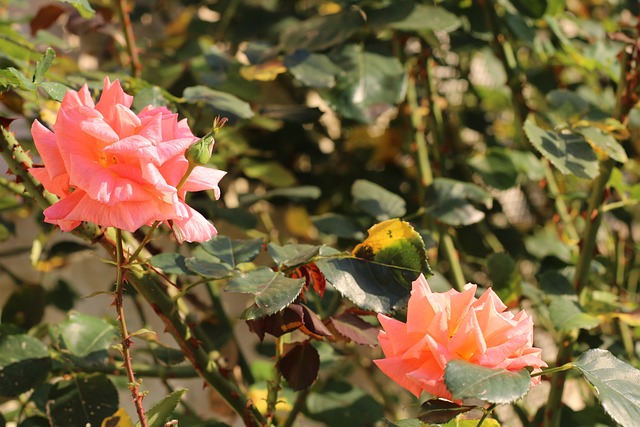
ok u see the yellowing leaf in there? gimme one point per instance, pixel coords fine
(394, 242)
(329, 8)
(265, 72)
(119, 419)
(298, 222)
(49, 111)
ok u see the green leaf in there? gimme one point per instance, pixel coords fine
(567, 315)
(567, 151)
(272, 291)
(269, 172)
(377, 201)
(82, 334)
(296, 194)
(496, 168)
(81, 400)
(292, 255)
(322, 32)
(170, 263)
(616, 383)
(220, 102)
(55, 90)
(438, 411)
(338, 225)
(300, 366)
(339, 404)
(167, 355)
(466, 380)
(452, 202)
(604, 142)
(233, 252)
(532, 8)
(545, 243)
(427, 18)
(209, 268)
(23, 82)
(313, 70)
(150, 95)
(157, 415)
(371, 83)
(43, 65)
(528, 164)
(24, 363)
(369, 285)
(505, 277)
(82, 6)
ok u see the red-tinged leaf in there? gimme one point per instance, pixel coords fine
(45, 17)
(313, 326)
(319, 282)
(354, 328)
(300, 366)
(278, 324)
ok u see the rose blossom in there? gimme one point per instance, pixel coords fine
(114, 168)
(454, 326)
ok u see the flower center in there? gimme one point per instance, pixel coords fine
(107, 160)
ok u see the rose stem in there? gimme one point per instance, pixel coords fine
(124, 334)
(130, 39)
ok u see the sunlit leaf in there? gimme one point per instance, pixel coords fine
(233, 252)
(566, 315)
(615, 382)
(427, 18)
(119, 419)
(569, 152)
(371, 83)
(605, 142)
(160, 411)
(83, 334)
(312, 69)
(467, 380)
(272, 291)
(43, 65)
(83, 7)
(220, 102)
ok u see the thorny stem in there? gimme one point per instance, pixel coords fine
(130, 39)
(124, 334)
(19, 162)
(148, 285)
(274, 385)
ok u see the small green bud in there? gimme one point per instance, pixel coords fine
(200, 151)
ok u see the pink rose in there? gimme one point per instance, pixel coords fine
(454, 326)
(114, 168)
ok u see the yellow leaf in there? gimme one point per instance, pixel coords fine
(299, 223)
(119, 419)
(383, 236)
(264, 72)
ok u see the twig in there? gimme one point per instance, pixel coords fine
(124, 334)
(130, 39)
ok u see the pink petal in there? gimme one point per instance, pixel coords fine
(397, 368)
(203, 178)
(112, 95)
(193, 228)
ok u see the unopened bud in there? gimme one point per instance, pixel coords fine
(200, 151)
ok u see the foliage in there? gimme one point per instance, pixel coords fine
(367, 142)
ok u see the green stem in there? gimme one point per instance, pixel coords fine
(124, 334)
(130, 39)
(14, 187)
(420, 128)
(274, 384)
(553, 408)
(504, 52)
(298, 406)
(561, 206)
(143, 370)
(454, 260)
(486, 414)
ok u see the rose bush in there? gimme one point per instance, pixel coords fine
(454, 326)
(116, 168)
